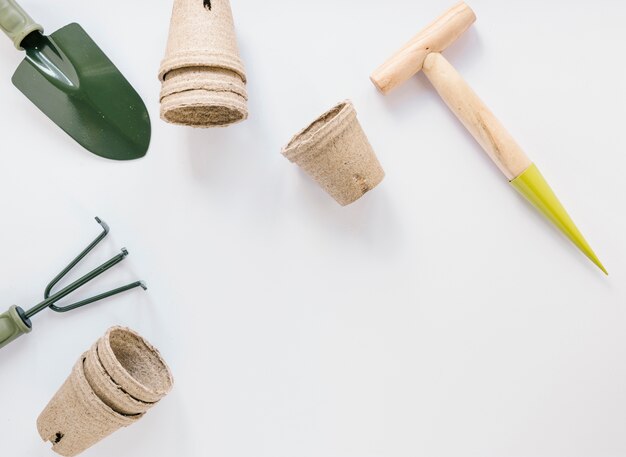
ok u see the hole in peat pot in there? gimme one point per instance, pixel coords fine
(58, 437)
(362, 183)
(207, 4)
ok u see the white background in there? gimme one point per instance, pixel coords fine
(440, 315)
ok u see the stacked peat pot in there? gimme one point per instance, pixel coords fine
(203, 78)
(111, 386)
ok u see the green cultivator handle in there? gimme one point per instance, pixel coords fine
(13, 324)
(16, 23)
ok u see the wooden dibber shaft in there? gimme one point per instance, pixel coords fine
(476, 117)
(423, 52)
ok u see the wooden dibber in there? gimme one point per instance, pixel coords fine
(423, 52)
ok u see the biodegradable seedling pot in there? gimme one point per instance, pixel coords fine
(107, 390)
(134, 365)
(204, 81)
(335, 151)
(76, 418)
(203, 97)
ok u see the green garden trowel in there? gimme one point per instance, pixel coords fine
(68, 77)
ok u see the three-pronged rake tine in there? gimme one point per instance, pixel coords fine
(51, 299)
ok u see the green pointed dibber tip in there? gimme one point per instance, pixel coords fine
(533, 186)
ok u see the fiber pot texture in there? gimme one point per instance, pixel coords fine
(203, 78)
(108, 390)
(95, 400)
(134, 364)
(76, 418)
(335, 151)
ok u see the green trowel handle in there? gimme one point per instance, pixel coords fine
(16, 23)
(13, 325)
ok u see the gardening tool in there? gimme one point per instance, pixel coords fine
(73, 82)
(423, 53)
(16, 322)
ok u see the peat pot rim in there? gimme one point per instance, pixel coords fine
(150, 379)
(317, 134)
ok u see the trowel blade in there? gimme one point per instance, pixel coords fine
(70, 79)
